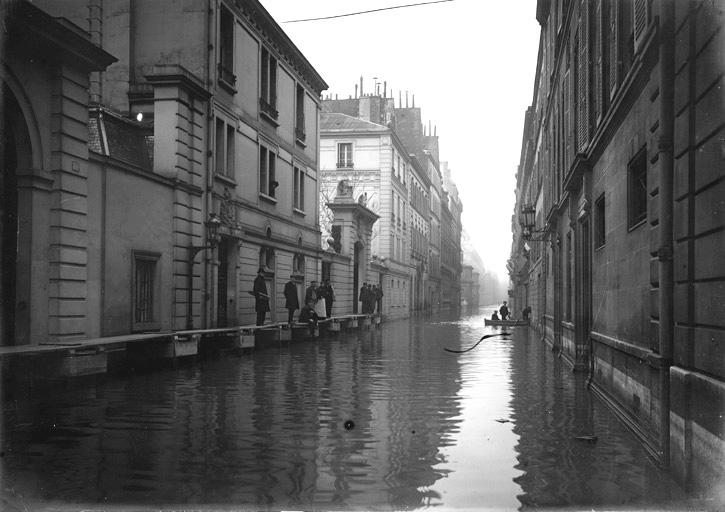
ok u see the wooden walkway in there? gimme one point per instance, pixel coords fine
(70, 358)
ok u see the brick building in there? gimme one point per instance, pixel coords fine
(618, 227)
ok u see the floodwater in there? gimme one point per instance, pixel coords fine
(374, 420)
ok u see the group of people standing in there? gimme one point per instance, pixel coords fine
(370, 295)
(318, 299)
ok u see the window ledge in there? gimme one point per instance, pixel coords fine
(225, 179)
(300, 142)
(299, 212)
(227, 86)
(267, 198)
(636, 225)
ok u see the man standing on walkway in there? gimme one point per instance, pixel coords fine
(379, 297)
(311, 292)
(290, 297)
(329, 297)
(363, 297)
(261, 298)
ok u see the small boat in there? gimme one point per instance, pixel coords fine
(507, 323)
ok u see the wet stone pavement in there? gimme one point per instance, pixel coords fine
(380, 420)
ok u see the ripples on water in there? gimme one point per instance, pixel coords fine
(492, 428)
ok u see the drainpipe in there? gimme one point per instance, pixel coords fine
(208, 186)
(665, 251)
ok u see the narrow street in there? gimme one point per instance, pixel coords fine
(374, 420)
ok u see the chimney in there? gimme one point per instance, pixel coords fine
(400, 99)
(435, 131)
(429, 130)
(406, 99)
(355, 91)
(361, 86)
(385, 89)
(414, 101)
(335, 96)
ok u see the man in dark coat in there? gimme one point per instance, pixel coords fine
(309, 317)
(371, 299)
(363, 297)
(261, 299)
(311, 292)
(291, 302)
(329, 297)
(504, 310)
(379, 297)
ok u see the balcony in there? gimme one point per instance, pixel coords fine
(345, 165)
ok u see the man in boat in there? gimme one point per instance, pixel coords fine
(494, 316)
(504, 310)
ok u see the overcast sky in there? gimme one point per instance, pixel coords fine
(470, 64)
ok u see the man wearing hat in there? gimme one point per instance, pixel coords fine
(261, 299)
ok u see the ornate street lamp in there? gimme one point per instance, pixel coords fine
(527, 219)
(212, 240)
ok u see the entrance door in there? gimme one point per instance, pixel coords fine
(222, 284)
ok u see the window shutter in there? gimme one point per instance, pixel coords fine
(613, 45)
(640, 22)
(583, 80)
(598, 75)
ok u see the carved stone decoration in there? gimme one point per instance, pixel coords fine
(344, 190)
(227, 209)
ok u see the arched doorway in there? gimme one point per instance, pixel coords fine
(15, 153)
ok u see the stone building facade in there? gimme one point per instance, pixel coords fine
(391, 162)
(618, 227)
(46, 204)
(213, 124)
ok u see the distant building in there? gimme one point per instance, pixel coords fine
(417, 238)
(617, 237)
(371, 158)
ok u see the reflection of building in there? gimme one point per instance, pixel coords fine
(620, 173)
(215, 122)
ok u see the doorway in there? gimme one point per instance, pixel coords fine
(357, 258)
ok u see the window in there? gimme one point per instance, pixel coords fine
(226, 48)
(326, 270)
(300, 114)
(224, 154)
(599, 225)
(299, 189)
(637, 189)
(266, 259)
(268, 99)
(344, 155)
(267, 162)
(144, 290)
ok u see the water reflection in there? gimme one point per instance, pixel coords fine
(571, 449)
(493, 428)
(267, 430)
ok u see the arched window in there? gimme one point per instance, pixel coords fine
(266, 258)
(298, 264)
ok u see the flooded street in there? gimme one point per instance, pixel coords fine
(374, 420)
